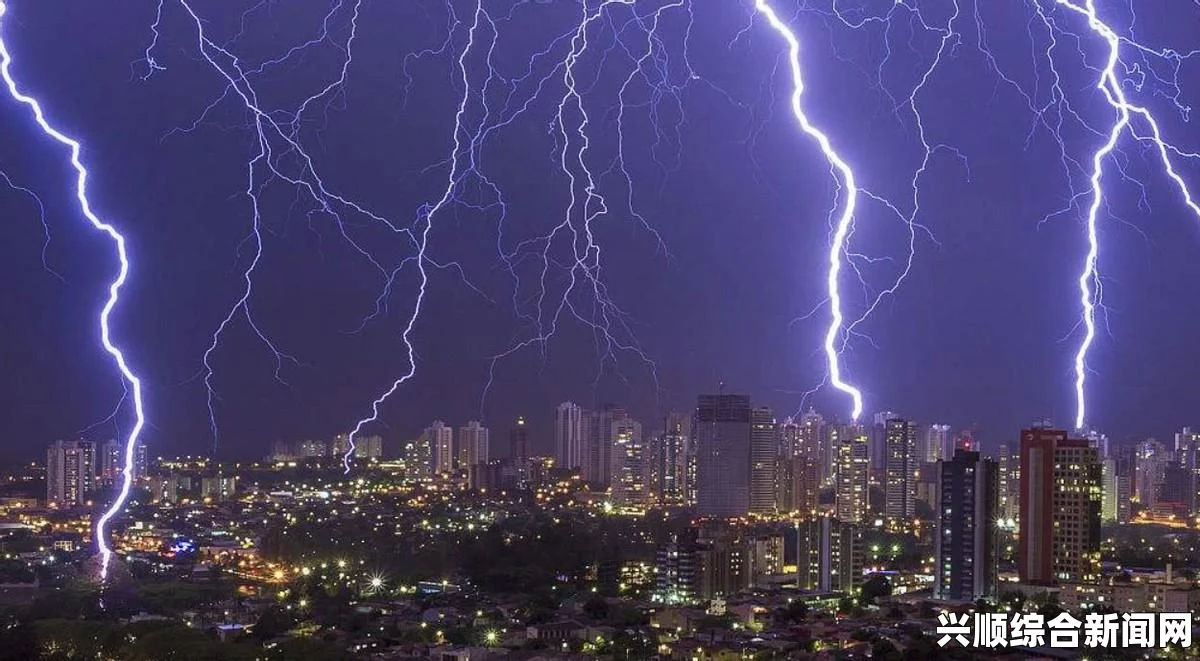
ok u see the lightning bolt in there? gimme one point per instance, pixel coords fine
(131, 380)
(269, 132)
(845, 219)
(425, 218)
(1111, 87)
(568, 265)
(565, 285)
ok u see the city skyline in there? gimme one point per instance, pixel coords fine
(931, 439)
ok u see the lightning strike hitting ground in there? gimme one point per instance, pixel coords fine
(132, 382)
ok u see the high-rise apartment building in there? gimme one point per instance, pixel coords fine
(677, 579)
(853, 468)
(1099, 441)
(70, 472)
(1177, 489)
(312, 449)
(1125, 468)
(1108, 481)
(938, 443)
(764, 451)
(1187, 439)
(518, 440)
(722, 431)
(472, 444)
(601, 429)
(829, 555)
(629, 474)
(1151, 466)
(900, 438)
(110, 461)
(764, 558)
(877, 440)
(833, 435)
(441, 442)
(964, 441)
(811, 441)
(965, 539)
(568, 436)
(1008, 489)
(368, 447)
(789, 437)
(671, 460)
(1187, 451)
(418, 458)
(1060, 509)
(340, 445)
(722, 563)
(798, 486)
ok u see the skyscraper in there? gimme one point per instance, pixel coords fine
(672, 460)
(1152, 458)
(472, 444)
(1187, 439)
(599, 435)
(964, 441)
(70, 472)
(1008, 488)
(1099, 441)
(764, 450)
(1124, 467)
(1187, 451)
(852, 473)
(877, 436)
(110, 461)
(1176, 490)
(798, 485)
(788, 431)
(812, 426)
(418, 458)
(722, 431)
(568, 436)
(518, 440)
(441, 442)
(965, 540)
(1060, 509)
(629, 470)
(939, 443)
(811, 442)
(900, 438)
(833, 434)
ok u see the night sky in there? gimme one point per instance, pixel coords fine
(982, 332)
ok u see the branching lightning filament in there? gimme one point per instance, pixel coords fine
(132, 382)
